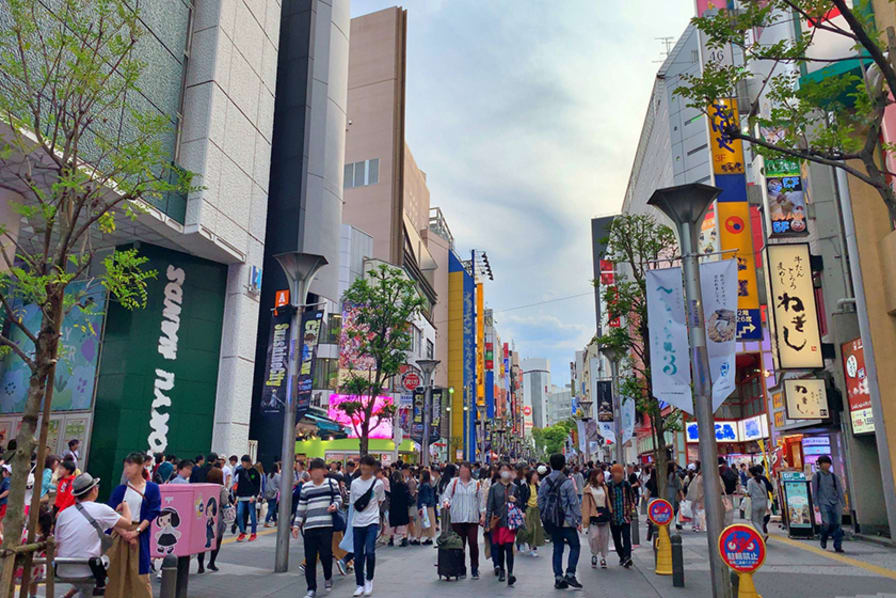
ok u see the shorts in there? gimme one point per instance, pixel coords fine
(2, 511)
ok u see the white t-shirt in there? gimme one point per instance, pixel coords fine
(135, 501)
(371, 514)
(77, 538)
(228, 476)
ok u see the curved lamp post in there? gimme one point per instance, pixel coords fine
(427, 366)
(614, 355)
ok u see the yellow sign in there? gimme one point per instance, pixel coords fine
(792, 295)
(735, 232)
(727, 153)
(480, 346)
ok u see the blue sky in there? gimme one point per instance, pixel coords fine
(525, 115)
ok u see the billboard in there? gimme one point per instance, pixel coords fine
(796, 330)
(858, 394)
(380, 427)
(736, 233)
(785, 202)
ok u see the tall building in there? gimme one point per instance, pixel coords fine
(536, 388)
(558, 405)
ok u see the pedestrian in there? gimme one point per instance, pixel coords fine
(426, 509)
(248, 486)
(829, 500)
(198, 464)
(64, 497)
(463, 498)
(488, 476)
(534, 527)
(184, 471)
(271, 492)
(562, 516)
(164, 472)
(674, 492)
(73, 453)
(500, 495)
(228, 470)
(47, 487)
(596, 511)
(622, 504)
(579, 480)
(319, 500)
(128, 563)
(758, 500)
(366, 494)
(522, 492)
(400, 502)
(730, 485)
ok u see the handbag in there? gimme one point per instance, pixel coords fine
(338, 516)
(515, 519)
(686, 509)
(228, 513)
(364, 499)
(726, 503)
(106, 541)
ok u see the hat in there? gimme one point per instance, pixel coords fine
(692, 467)
(542, 470)
(83, 484)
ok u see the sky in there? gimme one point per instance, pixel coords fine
(525, 116)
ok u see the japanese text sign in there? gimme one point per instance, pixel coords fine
(742, 548)
(806, 398)
(727, 152)
(857, 391)
(792, 295)
(736, 233)
(660, 512)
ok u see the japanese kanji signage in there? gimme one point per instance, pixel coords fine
(727, 153)
(735, 233)
(792, 296)
(857, 391)
(807, 398)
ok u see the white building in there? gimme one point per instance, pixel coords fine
(536, 388)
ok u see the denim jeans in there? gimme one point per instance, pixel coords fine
(364, 540)
(272, 511)
(241, 507)
(831, 518)
(559, 537)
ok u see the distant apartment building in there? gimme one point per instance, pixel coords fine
(559, 405)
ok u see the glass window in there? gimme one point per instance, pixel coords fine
(348, 176)
(373, 171)
(359, 174)
(430, 349)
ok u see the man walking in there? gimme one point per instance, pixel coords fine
(622, 501)
(318, 500)
(366, 495)
(828, 492)
(248, 485)
(561, 513)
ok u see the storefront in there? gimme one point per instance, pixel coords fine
(348, 448)
(738, 441)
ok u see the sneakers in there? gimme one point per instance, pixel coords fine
(534, 552)
(628, 563)
(201, 569)
(302, 568)
(253, 537)
(241, 538)
(359, 591)
(268, 524)
(404, 542)
(212, 567)
(368, 587)
(511, 580)
(497, 571)
(310, 594)
(328, 585)
(501, 575)
(603, 563)
(824, 544)
(340, 566)
(560, 584)
(426, 542)
(474, 574)
(572, 582)
(594, 562)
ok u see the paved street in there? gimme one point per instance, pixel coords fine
(793, 568)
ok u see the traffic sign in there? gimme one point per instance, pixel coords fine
(410, 381)
(660, 511)
(527, 410)
(742, 548)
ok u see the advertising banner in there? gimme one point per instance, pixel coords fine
(727, 153)
(628, 419)
(605, 423)
(708, 240)
(857, 391)
(671, 370)
(718, 281)
(736, 233)
(480, 346)
(310, 336)
(273, 395)
(792, 294)
(784, 199)
(799, 509)
(806, 398)
(380, 425)
(188, 521)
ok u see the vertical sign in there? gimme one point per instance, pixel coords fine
(785, 203)
(671, 369)
(857, 392)
(727, 152)
(792, 295)
(718, 281)
(310, 336)
(480, 346)
(273, 395)
(735, 231)
(807, 398)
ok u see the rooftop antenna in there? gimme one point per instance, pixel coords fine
(667, 41)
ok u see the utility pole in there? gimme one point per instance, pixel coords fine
(427, 366)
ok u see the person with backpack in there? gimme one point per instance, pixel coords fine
(561, 514)
(463, 499)
(730, 484)
(622, 505)
(503, 497)
(271, 492)
(366, 495)
(318, 502)
(827, 490)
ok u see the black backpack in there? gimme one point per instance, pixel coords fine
(731, 478)
(552, 514)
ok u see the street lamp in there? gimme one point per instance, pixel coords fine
(686, 206)
(299, 269)
(427, 366)
(614, 355)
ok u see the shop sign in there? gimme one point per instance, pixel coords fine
(785, 202)
(792, 294)
(753, 428)
(310, 336)
(857, 392)
(799, 509)
(806, 398)
(727, 152)
(736, 233)
(273, 394)
(742, 548)
(725, 432)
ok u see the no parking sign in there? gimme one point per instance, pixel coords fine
(743, 549)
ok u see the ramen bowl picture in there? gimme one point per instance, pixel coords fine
(721, 326)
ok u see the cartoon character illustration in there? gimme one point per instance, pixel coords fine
(167, 536)
(211, 511)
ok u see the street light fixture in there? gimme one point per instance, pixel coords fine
(300, 269)
(686, 206)
(614, 355)
(427, 366)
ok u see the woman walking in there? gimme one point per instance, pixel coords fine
(426, 508)
(596, 511)
(400, 501)
(674, 489)
(758, 494)
(534, 528)
(129, 563)
(501, 495)
(463, 498)
(271, 492)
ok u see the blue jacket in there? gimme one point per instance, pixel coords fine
(426, 496)
(569, 500)
(149, 510)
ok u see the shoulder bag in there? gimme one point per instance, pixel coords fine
(106, 540)
(338, 517)
(364, 499)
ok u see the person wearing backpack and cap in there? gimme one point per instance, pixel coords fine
(561, 513)
(827, 490)
(80, 530)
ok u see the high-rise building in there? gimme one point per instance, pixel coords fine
(536, 388)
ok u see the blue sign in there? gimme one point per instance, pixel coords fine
(742, 548)
(725, 432)
(749, 325)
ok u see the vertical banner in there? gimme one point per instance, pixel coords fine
(605, 421)
(785, 202)
(628, 419)
(736, 233)
(718, 281)
(858, 394)
(480, 346)
(581, 435)
(273, 395)
(310, 336)
(792, 294)
(670, 370)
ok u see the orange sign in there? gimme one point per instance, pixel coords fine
(281, 298)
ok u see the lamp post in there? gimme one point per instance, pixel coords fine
(299, 269)
(686, 206)
(614, 355)
(427, 366)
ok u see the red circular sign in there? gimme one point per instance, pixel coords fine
(660, 511)
(527, 410)
(742, 548)
(410, 381)
(734, 225)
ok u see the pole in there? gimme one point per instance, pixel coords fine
(427, 366)
(617, 410)
(703, 407)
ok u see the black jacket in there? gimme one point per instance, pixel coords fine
(248, 482)
(522, 493)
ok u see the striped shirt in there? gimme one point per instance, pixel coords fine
(314, 501)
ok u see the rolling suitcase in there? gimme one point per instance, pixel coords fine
(451, 563)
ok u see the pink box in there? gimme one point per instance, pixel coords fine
(188, 521)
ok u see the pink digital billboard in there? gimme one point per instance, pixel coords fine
(381, 428)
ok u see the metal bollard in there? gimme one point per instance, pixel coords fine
(183, 576)
(636, 531)
(677, 561)
(169, 577)
(735, 583)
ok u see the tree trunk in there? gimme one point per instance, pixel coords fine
(661, 454)
(364, 440)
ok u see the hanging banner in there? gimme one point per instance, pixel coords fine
(605, 424)
(273, 395)
(807, 398)
(858, 394)
(580, 435)
(718, 281)
(628, 419)
(736, 233)
(310, 336)
(785, 203)
(792, 295)
(671, 368)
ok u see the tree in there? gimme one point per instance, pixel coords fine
(384, 302)
(550, 439)
(65, 74)
(834, 121)
(637, 243)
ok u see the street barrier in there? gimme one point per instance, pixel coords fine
(677, 562)
(661, 514)
(169, 577)
(636, 531)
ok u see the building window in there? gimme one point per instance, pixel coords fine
(361, 174)
(430, 350)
